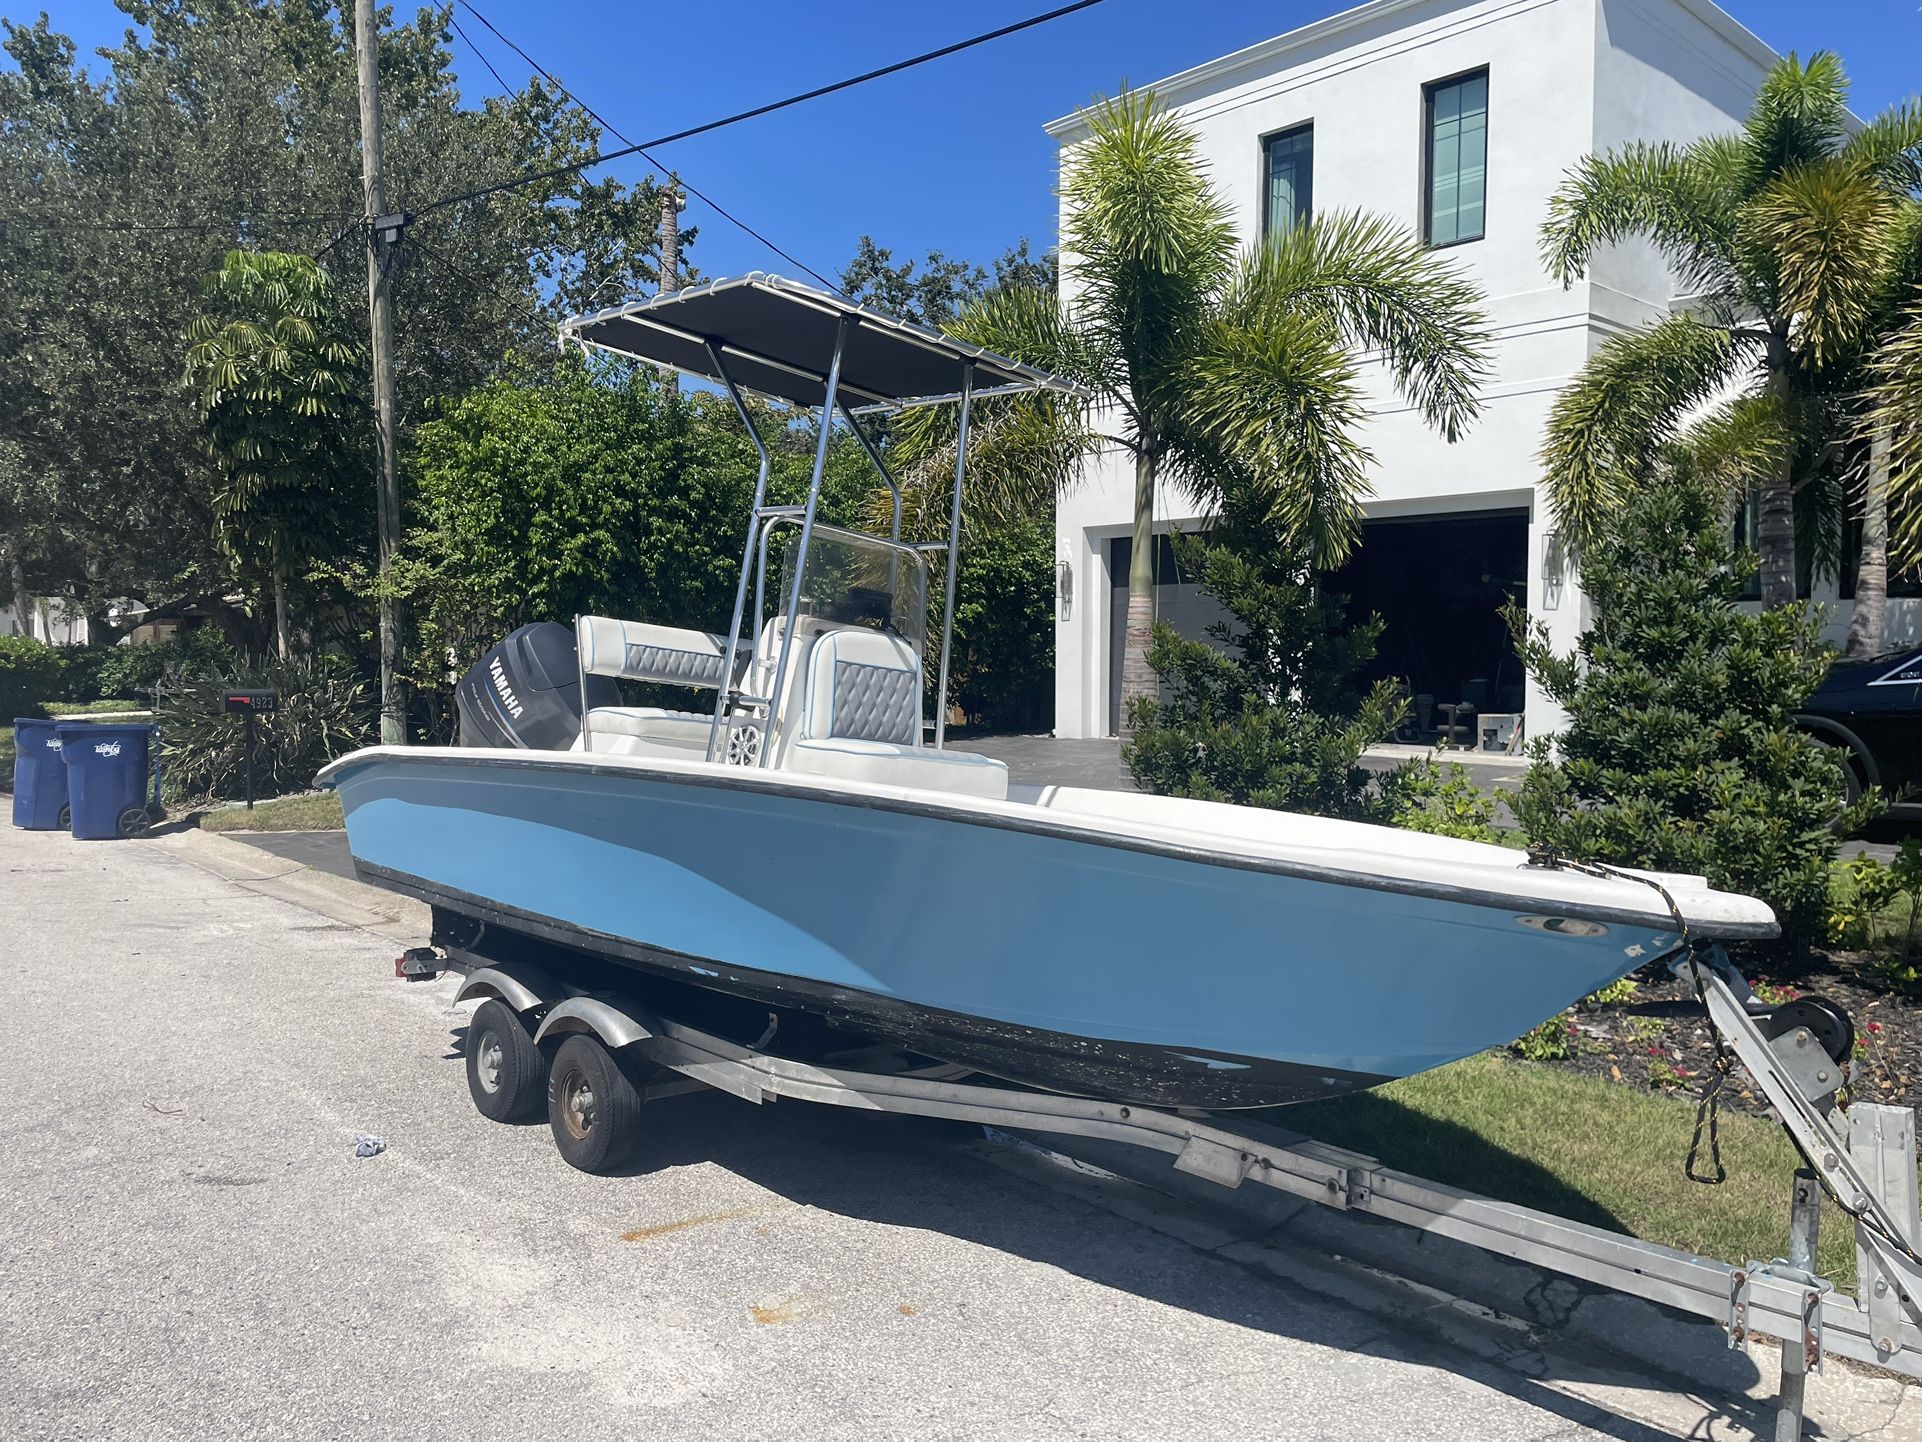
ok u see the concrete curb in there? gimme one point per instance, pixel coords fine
(351, 903)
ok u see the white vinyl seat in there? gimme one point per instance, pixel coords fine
(649, 731)
(860, 720)
(664, 654)
(885, 763)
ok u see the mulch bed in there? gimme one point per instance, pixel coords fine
(1673, 1053)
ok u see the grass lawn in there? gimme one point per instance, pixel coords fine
(6, 758)
(311, 811)
(1606, 1155)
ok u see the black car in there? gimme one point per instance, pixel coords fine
(1873, 709)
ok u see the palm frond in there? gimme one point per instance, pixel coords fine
(1827, 226)
(1679, 197)
(1274, 412)
(1800, 115)
(1146, 240)
(1894, 402)
(1608, 427)
(1022, 450)
(1891, 146)
(1383, 291)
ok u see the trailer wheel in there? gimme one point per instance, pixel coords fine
(592, 1106)
(505, 1070)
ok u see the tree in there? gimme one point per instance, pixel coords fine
(1272, 713)
(1793, 241)
(1682, 752)
(222, 123)
(278, 384)
(1216, 368)
(936, 295)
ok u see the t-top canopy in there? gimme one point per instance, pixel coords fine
(776, 338)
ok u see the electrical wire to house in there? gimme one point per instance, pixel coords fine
(787, 102)
(608, 126)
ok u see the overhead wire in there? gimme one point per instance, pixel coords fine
(639, 150)
(481, 55)
(602, 158)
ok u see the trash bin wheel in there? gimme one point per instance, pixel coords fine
(506, 1072)
(66, 818)
(133, 821)
(592, 1106)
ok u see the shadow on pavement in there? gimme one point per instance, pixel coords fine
(927, 1174)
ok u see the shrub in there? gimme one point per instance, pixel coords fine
(29, 674)
(325, 711)
(137, 670)
(1003, 659)
(1681, 752)
(1877, 907)
(80, 673)
(1442, 800)
(1279, 720)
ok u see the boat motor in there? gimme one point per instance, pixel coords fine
(526, 692)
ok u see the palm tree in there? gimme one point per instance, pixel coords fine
(1231, 372)
(1895, 422)
(1793, 240)
(273, 375)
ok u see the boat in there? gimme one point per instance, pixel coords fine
(810, 847)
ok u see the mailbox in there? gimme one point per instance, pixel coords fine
(251, 703)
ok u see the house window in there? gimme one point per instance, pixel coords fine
(1291, 178)
(1456, 201)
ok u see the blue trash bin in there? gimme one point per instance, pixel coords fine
(39, 776)
(107, 778)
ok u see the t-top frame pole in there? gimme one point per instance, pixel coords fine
(954, 550)
(747, 556)
(807, 535)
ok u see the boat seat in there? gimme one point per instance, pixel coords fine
(648, 731)
(860, 720)
(887, 763)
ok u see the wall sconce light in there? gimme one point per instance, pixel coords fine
(1063, 591)
(1554, 569)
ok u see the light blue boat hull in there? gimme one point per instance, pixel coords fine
(1106, 969)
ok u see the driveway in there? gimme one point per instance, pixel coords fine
(191, 1248)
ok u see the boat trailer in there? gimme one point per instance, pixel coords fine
(570, 1042)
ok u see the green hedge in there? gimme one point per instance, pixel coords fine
(29, 674)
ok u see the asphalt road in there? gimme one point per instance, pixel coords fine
(190, 1249)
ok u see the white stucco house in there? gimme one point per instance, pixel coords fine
(1459, 118)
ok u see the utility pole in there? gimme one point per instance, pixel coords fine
(672, 204)
(383, 239)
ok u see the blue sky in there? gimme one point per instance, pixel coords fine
(950, 156)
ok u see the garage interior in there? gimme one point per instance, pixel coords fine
(1438, 582)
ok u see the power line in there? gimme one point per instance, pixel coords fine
(506, 89)
(609, 126)
(896, 68)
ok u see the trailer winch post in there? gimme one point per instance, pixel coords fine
(1805, 1222)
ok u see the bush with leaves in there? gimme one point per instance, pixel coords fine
(1272, 715)
(325, 711)
(29, 674)
(1442, 800)
(1682, 752)
(1003, 659)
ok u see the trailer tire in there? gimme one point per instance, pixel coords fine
(506, 1072)
(593, 1106)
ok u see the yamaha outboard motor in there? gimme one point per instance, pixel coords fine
(526, 692)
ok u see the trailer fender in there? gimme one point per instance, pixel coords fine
(524, 988)
(615, 1027)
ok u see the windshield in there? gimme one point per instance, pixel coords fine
(856, 580)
